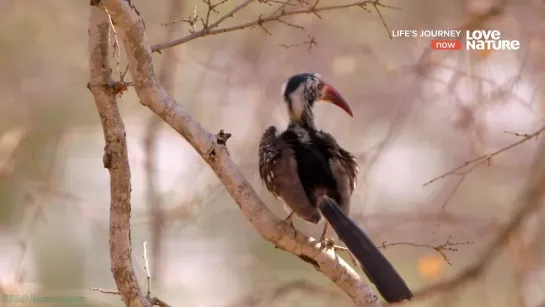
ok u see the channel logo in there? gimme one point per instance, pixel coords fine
(446, 44)
(479, 40)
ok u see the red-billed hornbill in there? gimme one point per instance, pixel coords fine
(314, 176)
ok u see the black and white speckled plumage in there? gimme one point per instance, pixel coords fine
(302, 163)
(314, 176)
(299, 165)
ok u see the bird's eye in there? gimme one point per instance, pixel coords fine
(320, 86)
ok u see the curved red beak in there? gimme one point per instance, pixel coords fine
(331, 95)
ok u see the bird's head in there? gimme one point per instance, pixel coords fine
(301, 91)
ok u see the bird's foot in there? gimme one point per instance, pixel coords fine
(325, 242)
(329, 243)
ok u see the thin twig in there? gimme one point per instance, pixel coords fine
(486, 158)
(376, 5)
(146, 267)
(529, 201)
(105, 291)
(310, 42)
(230, 14)
(441, 248)
(259, 22)
(205, 22)
(116, 52)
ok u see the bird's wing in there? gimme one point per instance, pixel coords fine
(278, 170)
(344, 167)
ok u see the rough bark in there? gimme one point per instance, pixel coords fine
(115, 159)
(131, 30)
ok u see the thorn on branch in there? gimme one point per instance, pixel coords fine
(222, 137)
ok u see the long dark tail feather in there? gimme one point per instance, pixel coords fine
(377, 268)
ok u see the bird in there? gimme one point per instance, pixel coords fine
(314, 176)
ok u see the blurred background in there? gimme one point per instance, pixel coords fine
(418, 114)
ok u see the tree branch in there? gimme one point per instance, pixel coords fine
(441, 248)
(131, 29)
(115, 159)
(486, 158)
(530, 199)
(275, 16)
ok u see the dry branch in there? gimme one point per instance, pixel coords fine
(530, 199)
(440, 248)
(115, 159)
(470, 165)
(151, 93)
(274, 16)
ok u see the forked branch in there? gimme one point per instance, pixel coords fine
(468, 166)
(530, 200)
(212, 149)
(276, 15)
(115, 159)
